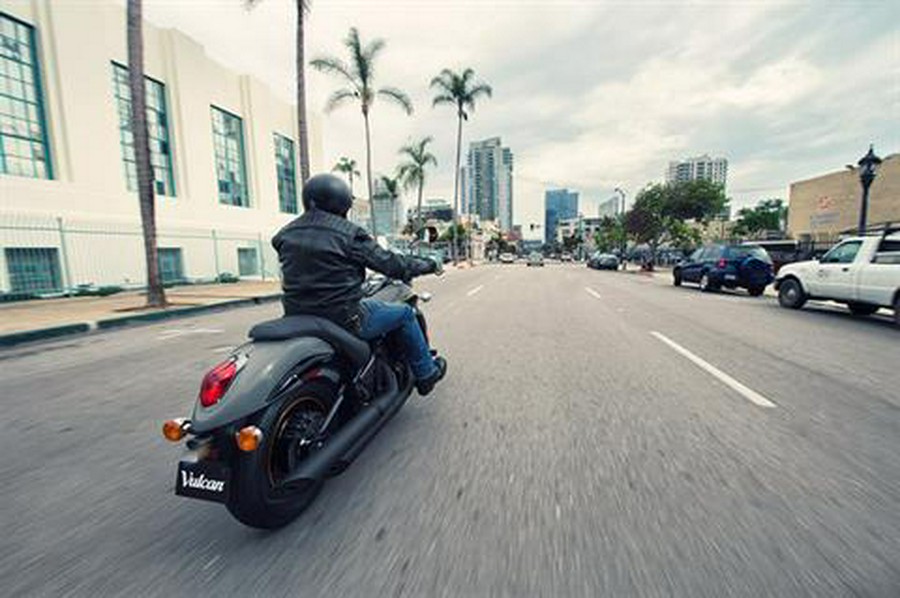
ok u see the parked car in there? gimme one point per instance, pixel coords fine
(535, 259)
(603, 261)
(507, 258)
(861, 272)
(566, 257)
(732, 266)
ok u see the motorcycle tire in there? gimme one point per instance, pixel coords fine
(255, 500)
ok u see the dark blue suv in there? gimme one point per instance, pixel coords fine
(730, 266)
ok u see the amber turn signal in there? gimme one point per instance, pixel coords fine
(174, 429)
(248, 438)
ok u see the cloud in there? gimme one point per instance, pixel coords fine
(596, 95)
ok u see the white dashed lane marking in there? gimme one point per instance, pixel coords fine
(748, 393)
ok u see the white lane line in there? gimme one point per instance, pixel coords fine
(748, 393)
(592, 293)
(475, 290)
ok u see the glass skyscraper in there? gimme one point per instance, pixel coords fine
(559, 204)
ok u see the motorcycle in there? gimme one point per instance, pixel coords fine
(290, 408)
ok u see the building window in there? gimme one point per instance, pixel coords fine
(33, 269)
(228, 141)
(158, 134)
(284, 169)
(171, 266)
(24, 150)
(248, 264)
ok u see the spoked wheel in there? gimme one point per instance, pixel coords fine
(258, 498)
(706, 285)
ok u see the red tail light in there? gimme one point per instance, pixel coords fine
(722, 262)
(216, 382)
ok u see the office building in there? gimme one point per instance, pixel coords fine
(823, 207)
(610, 207)
(223, 153)
(700, 167)
(559, 204)
(487, 182)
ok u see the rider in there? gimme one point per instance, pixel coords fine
(323, 262)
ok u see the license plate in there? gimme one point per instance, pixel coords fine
(206, 480)
(731, 277)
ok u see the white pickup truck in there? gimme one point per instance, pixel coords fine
(862, 272)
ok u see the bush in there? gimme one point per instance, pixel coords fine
(227, 277)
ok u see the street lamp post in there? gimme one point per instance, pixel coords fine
(624, 246)
(868, 165)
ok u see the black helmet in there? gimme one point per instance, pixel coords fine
(329, 193)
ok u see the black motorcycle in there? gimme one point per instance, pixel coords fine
(290, 408)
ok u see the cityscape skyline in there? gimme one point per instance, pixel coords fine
(616, 125)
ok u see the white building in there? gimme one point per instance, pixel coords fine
(487, 182)
(701, 167)
(222, 146)
(610, 207)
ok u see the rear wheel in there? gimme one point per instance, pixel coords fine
(790, 294)
(862, 309)
(676, 278)
(258, 500)
(756, 291)
(706, 285)
(897, 310)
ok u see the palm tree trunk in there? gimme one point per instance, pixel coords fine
(301, 96)
(456, 189)
(421, 221)
(369, 174)
(156, 296)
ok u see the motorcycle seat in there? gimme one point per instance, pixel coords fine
(353, 348)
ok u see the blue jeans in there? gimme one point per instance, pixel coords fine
(379, 318)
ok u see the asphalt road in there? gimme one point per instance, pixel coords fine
(599, 434)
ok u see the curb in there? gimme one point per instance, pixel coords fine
(17, 338)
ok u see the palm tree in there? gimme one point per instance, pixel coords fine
(412, 172)
(303, 141)
(359, 77)
(348, 167)
(461, 90)
(156, 296)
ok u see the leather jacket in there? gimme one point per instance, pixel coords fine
(323, 264)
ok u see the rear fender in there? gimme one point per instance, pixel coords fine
(264, 377)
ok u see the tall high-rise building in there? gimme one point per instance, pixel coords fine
(701, 167)
(610, 207)
(559, 204)
(487, 187)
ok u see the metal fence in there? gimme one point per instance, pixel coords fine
(51, 256)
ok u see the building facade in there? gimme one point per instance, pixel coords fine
(487, 182)
(559, 204)
(610, 207)
(824, 207)
(223, 152)
(700, 167)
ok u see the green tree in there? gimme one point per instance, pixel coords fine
(302, 132)
(660, 211)
(156, 296)
(358, 75)
(412, 172)
(347, 166)
(460, 90)
(610, 234)
(767, 215)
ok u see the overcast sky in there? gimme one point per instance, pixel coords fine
(593, 95)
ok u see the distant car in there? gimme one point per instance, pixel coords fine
(566, 257)
(507, 258)
(535, 259)
(732, 266)
(603, 261)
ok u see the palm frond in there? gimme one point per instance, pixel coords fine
(397, 96)
(334, 66)
(443, 99)
(339, 97)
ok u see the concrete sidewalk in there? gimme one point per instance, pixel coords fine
(46, 318)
